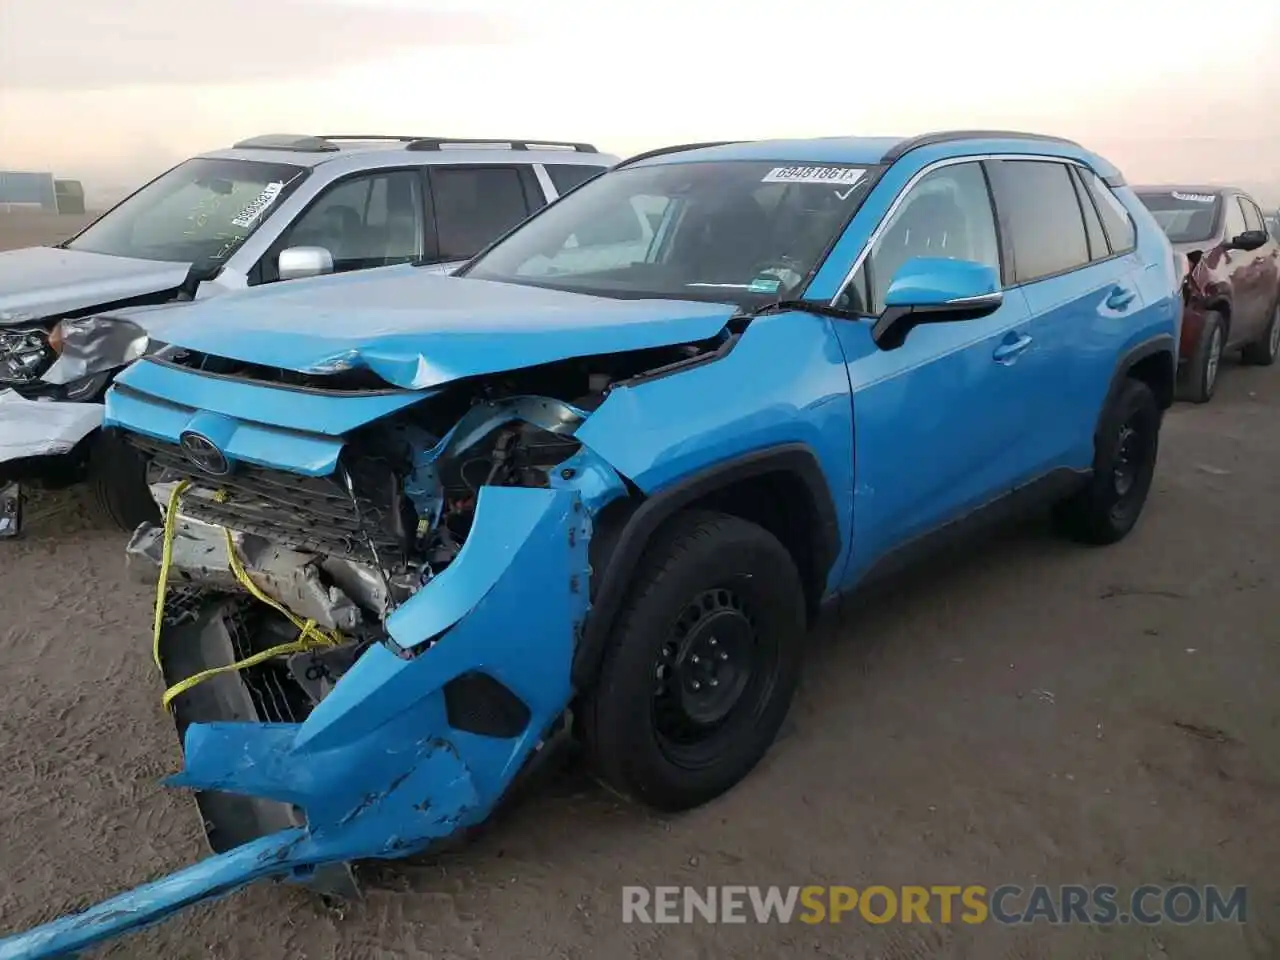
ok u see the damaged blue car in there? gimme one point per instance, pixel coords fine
(420, 530)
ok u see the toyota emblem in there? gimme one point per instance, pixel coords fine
(202, 452)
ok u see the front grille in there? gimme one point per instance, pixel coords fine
(312, 514)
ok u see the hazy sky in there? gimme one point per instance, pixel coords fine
(103, 90)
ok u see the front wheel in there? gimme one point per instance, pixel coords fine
(1202, 369)
(702, 663)
(118, 481)
(1124, 464)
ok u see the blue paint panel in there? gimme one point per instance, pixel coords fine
(416, 330)
(309, 455)
(784, 382)
(332, 414)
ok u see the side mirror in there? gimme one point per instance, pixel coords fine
(935, 290)
(1249, 240)
(298, 262)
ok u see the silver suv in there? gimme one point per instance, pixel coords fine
(271, 208)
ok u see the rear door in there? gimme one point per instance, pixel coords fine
(1072, 248)
(471, 206)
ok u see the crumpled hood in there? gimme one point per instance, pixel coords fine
(40, 282)
(415, 330)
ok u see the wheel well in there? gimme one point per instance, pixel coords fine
(1156, 370)
(1223, 308)
(781, 503)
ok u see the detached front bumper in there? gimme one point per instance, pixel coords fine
(31, 429)
(391, 760)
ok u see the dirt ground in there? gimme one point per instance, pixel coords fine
(1036, 712)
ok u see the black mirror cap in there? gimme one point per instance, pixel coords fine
(1249, 240)
(892, 326)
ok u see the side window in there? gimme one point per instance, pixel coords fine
(1252, 215)
(1115, 218)
(1098, 247)
(474, 206)
(947, 214)
(1045, 222)
(566, 176)
(367, 221)
(1235, 224)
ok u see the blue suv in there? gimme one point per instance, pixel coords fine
(420, 529)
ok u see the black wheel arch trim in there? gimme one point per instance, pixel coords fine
(1161, 343)
(621, 549)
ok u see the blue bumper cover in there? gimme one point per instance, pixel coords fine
(376, 767)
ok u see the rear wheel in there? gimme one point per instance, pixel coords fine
(1263, 352)
(118, 481)
(702, 664)
(1202, 369)
(1123, 467)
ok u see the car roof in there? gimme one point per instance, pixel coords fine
(360, 151)
(880, 150)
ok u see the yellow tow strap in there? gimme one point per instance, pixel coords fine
(310, 636)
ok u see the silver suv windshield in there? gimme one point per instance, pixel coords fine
(199, 212)
(736, 231)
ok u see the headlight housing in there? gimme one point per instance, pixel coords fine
(24, 355)
(89, 346)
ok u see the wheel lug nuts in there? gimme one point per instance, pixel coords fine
(714, 641)
(714, 682)
(696, 685)
(696, 659)
(723, 655)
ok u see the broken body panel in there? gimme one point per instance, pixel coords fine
(458, 666)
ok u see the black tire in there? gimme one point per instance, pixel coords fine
(1262, 353)
(118, 482)
(1124, 463)
(1201, 375)
(653, 731)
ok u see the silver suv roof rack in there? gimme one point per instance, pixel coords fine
(437, 143)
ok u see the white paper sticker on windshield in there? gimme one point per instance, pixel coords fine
(1194, 197)
(829, 176)
(250, 214)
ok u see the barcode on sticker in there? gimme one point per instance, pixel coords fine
(1194, 197)
(831, 176)
(259, 205)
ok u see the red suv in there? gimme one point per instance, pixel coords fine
(1232, 285)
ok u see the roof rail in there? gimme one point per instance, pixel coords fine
(897, 151)
(676, 148)
(287, 141)
(436, 143)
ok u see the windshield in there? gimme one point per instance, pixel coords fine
(199, 212)
(1184, 217)
(737, 231)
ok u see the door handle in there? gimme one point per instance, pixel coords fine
(1120, 298)
(1008, 351)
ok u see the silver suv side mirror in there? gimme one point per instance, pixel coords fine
(298, 262)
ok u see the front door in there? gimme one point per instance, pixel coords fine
(937, 422)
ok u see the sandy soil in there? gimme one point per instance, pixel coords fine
(1036, 713)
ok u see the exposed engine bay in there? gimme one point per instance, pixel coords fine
(346, 549)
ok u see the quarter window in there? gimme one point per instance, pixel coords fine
(367, 221)
(566, 176)
(947, 214)
(1252, 215)
(1115, 218)
(474, 206)
(1043, 214)
(1098, 248)
(1235, 219)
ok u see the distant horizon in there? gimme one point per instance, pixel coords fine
(128, 91)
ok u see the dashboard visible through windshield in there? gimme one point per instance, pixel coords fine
(200, 212)
(734, 231)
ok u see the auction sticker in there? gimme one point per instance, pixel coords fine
(249, 215)
(829, 176)
(1194, 197)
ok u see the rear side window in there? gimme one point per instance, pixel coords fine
(1115, 218)
(1039, 204)
(566, 176)
(474, 206)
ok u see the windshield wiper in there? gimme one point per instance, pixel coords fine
(803, 306)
